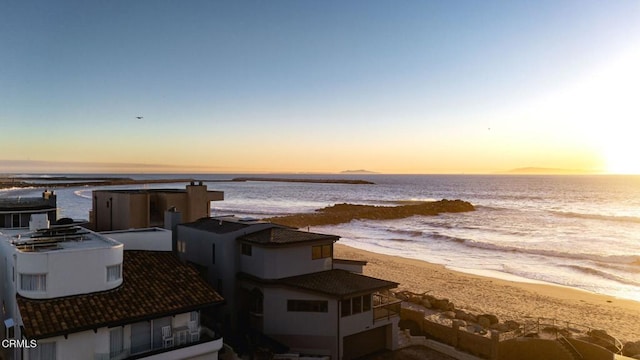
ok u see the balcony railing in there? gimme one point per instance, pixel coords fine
(385, 306)
(206, 335)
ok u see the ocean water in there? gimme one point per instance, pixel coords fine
(577, 231)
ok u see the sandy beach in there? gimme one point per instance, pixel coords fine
(507, 299)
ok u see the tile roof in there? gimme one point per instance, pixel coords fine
(336, 283)
(278, 236)
(155, 284)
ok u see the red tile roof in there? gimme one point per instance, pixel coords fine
(155, 284)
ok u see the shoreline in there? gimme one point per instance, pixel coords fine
(509, 300)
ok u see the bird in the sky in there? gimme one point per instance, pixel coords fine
(139, 117)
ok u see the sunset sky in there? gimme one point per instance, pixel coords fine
(319, 86)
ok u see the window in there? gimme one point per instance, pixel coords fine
(194, 316)
(213, 253)
(321, 251)
(33, 282)
(140, 337)
(44, 351)
(345, 307)
(15, 220)
(355, 305)
(366, 302)
(116, 342)
(307, 305)
(246, 249)
(114, 272)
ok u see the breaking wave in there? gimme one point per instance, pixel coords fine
(632, 219)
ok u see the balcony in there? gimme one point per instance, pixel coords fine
(385, 307)
(184, 346)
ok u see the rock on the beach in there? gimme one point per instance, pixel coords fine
(512, 325)
(492, 318)
(426, 303)
(443, 304)
(631, 348)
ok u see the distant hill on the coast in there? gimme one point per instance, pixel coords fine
(358, 172)
(548, 171)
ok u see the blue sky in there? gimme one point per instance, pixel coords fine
(411, 86)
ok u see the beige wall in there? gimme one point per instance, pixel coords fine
(121, 210)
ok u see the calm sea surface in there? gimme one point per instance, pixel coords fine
(578, 231)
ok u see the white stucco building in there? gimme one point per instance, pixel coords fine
(285, 284)
(82, 295)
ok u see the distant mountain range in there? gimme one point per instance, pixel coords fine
(358, 172)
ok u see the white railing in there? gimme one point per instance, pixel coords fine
(206, 335)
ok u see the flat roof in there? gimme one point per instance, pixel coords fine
(56, 238)
(155, 284)
(26, 203)
(216, 225)
(335, 283)
(281, 236)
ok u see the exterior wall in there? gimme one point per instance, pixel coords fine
(306, 332)
(198, 201)
(351, 266)
(161, 202)
(282, 262)
(136, 215)
(69, 272)
(146, 239)
(117, 211)
(195, 246)
(532, 349)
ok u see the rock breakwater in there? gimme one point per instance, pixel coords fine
(344, 213)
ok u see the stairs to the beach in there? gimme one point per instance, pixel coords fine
(575, 355)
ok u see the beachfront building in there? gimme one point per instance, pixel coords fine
(143, 208)
(285, 284)
(16, 212)
(81, 295)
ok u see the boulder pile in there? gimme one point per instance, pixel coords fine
(344, 213)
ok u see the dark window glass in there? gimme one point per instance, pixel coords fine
(307, 305)
(356, 304)
(213, 253)
(366, 302)
(345, 307)
(246, 249)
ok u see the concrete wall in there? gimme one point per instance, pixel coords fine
(591, 351)
(532, 349)
(482, 346)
